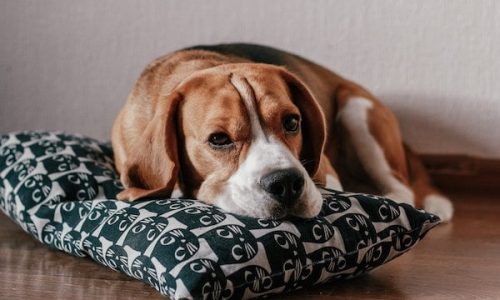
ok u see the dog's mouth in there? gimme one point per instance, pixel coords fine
(283, 212)
(257, 204)
(279, 212)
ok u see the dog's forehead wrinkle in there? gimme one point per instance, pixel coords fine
(247, 95)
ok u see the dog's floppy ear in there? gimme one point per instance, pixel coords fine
(313, 122)
(152, 168)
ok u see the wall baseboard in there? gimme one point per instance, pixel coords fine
(463, 172)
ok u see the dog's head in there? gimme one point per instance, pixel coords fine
(245, 137)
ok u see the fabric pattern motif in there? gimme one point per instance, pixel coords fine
(61, 188)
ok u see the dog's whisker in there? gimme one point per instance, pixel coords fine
(306, 162)
(317, 182)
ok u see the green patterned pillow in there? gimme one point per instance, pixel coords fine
(60, 189)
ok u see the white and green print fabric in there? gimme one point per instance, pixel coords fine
(61, 189)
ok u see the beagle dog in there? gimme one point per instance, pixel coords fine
(258, 131)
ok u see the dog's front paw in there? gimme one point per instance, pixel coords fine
(130, 194)
(440, 206)
(402, 195)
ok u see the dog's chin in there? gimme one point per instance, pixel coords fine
(271, 209)
(261, 209)
(281, 212)
(277, 211)
(308, 209)
(261, 205)
(274, 212)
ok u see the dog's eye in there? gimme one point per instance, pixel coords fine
(220, 140)
(291, 123)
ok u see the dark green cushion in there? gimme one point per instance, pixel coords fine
(61, 188)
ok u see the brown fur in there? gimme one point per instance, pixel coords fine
(182, 96)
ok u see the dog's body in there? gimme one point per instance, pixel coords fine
(239, 126)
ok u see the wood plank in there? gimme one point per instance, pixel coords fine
(463, 172)
(29, 270)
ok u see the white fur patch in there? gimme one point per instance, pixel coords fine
(440, 206)
(333, 183)
(176, 193)
(243, 193)
(354, 117)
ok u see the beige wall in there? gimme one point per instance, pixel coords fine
(69, 64)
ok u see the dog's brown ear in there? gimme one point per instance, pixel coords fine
(313, 122)
(152, 168)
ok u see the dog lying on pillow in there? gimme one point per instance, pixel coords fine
(256, 131)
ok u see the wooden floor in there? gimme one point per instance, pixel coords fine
(460, 260)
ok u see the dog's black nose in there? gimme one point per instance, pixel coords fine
(284, 185)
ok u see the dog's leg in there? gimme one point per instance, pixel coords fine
(327, 176)
(373, 133)
(426, 195)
